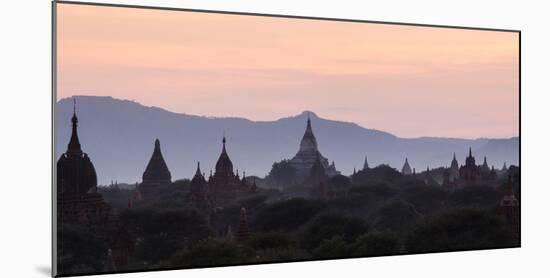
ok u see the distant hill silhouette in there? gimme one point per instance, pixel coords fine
(119, 136)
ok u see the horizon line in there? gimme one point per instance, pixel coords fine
(291, 116)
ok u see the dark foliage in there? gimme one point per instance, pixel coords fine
(212, 252)
(282, 173)
(475, 196)
(340, 181)
(287, 215)
(396, 216)
(272, 240)
(161, 233)
(327, 226)
(379, 189)
(461, 229)
(381, 173)
(425, 198)
(375, 244)
(81, 249)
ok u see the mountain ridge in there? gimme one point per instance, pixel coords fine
(252, 145)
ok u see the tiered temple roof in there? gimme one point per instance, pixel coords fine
(224, 184)
(307, 155)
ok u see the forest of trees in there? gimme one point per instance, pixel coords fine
(375, 212)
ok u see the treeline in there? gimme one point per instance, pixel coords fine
(379, 212)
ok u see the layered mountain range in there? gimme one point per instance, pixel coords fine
(119, 137)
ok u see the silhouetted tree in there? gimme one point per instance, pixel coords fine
(476, 196)
(380, 189)
(426, 199)
(328, 226)
(375, 244)
(335, 247)
(212, 252)
(340, 181)
(162, 233)
(81, 249)
(396, 216)
(282, 174)
(462, 229)
(287, 215)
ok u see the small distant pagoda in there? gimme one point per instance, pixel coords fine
(366, 164)
(198, 190)
(156, 172)
(454, 170)
(406, 170)
(243, 233)
(469, 173)
(308, 154)
(509, 207)
(224, 185)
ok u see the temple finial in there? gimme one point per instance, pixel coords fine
(198, 168)
(74, 143)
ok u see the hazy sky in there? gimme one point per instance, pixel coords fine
(410, 81)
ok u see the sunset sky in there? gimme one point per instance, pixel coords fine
(409, 81)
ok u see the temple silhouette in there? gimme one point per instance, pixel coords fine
(156, 172)
(308, 154)
(224, 193)
(79, 203)
(77, 197)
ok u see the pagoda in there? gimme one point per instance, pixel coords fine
(509, 208)
(198, 190)
(406, 170)
(78, 201)
(366, 164)
(469, 173)
(242, 233)
(156, 172)
(308, 154)
(224, 184)
(454, 170)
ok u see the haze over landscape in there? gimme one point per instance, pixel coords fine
(119, 134)
(160, 113)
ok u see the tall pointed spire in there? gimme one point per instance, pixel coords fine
(198, 172)
(406, 170)
(309, 143)
(365, 164)
(224, 166)
(485, 166)
(470, 152)
(74, 144)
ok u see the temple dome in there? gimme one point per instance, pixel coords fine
(75, 171)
